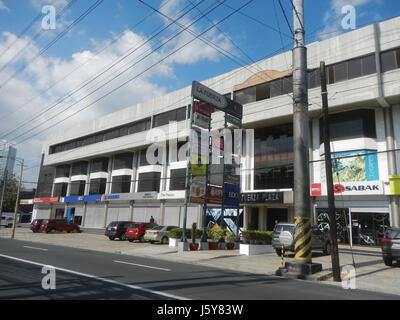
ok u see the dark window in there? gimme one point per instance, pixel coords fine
(121, 184)
(60, 189)
(112, 134)
(331, 74)
(245, 95)
(62, 171)
(79, 168)
(287, 85)
(99, 137)
(275, 88)
(89, 140)
(181, 114)
(314, 79)
(388, 60)
(398, 58)
(262, 91)
(139, 126)
(177, 179)
(77, 188)
(368, 65)
(176, 153)
(99, 165)
(352, 124)
(354, 68)
(340, 71)
(273, 158)
(149, 181)
(143, 158)
(123, 161)
(169, 116)
(45, 182)
(98, 186)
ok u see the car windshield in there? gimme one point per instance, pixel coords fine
(393, 234)
(134, 225)
(283, 227)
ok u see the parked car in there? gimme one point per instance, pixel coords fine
(35, 225)
(391, 245)
(137, 230)
(319, 239)
(117, 229)
(49, 225)
(158, 234)
(6, 221)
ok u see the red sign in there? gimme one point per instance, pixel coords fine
(217, 143)
(46, 200)
(202, 108)
(214, 195)
(315, 189)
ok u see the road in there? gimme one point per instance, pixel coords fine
(86, 274)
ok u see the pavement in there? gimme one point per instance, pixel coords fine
(371, 273)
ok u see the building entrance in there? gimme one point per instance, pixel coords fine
(275, 215)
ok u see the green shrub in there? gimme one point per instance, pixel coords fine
(177, 233)
(215, 234)
(231, 237)
(261, 237)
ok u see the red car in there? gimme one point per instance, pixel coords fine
(58, 225)
(138, 229)
(35, 225)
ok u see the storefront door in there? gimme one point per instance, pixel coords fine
(275, 215)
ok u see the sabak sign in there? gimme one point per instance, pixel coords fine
(351, 188)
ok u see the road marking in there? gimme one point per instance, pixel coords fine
(168, 295)
(36, 248)
(142, 265)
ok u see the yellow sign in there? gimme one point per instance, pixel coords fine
(198, 165)
(216, 226)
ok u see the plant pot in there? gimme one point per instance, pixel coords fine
(213, 245)
(230, 245)
(193, 246)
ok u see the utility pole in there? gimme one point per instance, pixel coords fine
(302, 206)
(329, 179)
(3, 191)
(17, 201)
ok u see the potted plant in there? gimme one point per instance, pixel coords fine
(230, 239)
(256, 242)
(193, 246)
(217, 235)
(174, 236)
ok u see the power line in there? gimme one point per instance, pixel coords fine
(284, 14)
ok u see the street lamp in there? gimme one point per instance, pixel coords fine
(18, 192)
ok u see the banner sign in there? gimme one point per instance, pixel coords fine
(233, 120)
(262, 197)
(46, 200)
(208, 95)
(202, 108)
(74, 199)
(201, 120)
(26, 201)
(231, 194)
(214, 195)
(92, 198)
(130, 196)
(355, 188)
(198, 165)
(198, 190)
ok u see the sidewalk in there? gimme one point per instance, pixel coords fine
(371, 272)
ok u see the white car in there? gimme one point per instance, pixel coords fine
(6, 221)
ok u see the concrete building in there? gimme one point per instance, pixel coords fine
(7, 158)
(98, 170)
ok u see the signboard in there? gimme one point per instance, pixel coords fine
(198, 190)
(316, 189)
(234, 108)
(92, 198)
(130, 196)
(203, 93)
(199, 142)
(26, 201)
(202, 108)
(356, 188)
(201, 120)
(231, 175)
(180, 194)
(214, 195)
(262, 197)
(198, 165)
(46, 200)
(231, 194)
(74, 199)
(235, 121)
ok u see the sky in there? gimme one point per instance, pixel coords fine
(53, 76)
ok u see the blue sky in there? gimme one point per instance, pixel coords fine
(250, 35)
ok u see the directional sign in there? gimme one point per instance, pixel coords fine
(208, 95)
(201, 120)
(235, 121)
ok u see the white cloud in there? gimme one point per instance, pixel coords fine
(3, 6)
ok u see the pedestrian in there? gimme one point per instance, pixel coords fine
(151, 219)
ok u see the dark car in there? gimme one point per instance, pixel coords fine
(137, 230)
(117, 229)
(391, 246)
(35, 225)
(319, 240)
(49, 225)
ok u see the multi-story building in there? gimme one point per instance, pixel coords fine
(7, 158)
(98, 170)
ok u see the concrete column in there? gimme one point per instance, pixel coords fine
(245, 217)
(69, 182)
(134, 171)
(87, 185)
(131, 210)
(109, 176)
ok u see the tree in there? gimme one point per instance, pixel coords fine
(10, 194)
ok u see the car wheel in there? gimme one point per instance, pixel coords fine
(388, 261)
(164, 240)
(328, 249)
(151, 241)
(111, 238)
(130, 240)
(122, 237)
(141, 239)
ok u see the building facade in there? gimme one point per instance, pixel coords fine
(7, 159)
(98, 172)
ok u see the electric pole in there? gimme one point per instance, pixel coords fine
(301, 192)
(329, 179)
(17, 201)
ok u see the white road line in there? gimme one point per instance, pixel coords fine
(168, 295)
(142, 265)
(36, 248)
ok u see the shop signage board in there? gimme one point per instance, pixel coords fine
(262, 197)
(202, 108)
(180, 194)
(73, 199)
(233, 120)
(214, 195)
(198, 165)
(46, 200)
(26, 201)
(197, 190)
(200, 142)
(201, 120)
(92, 198)
(130, 196)
(354, 188)
(231, 194)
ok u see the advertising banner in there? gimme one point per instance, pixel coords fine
(130, 196)
(198, 165)
(214, 195)
(353, 188)
(202, 108)
(46, 200)
(197, 190)
(201, 120)
(231, 194)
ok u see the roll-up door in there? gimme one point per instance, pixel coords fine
(118, 212)
(192, 216)
(143, 212)
(43, 213)
(95, 214)
(172, 215)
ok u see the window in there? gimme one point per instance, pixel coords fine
(60, 189)
(77, 188)
(121, 184)
(143, 159)
(123, 161)
(166, 117)
(62, 171)
(98, 186)
(275, 88)
(245, 95)
(354, 68)
(368, 64)
(340, 71)
(177, 179)
(79, 168)
(388, 60)
(139, 126)
(149, 181)
(349, 125)
(99, 165)
(287, 85)
(262, 91)
(330, 74)
(313, 79)
(112, 134)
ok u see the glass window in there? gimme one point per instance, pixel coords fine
(98, 186)
(181, 114)
(354, 68)
(314, 79)
(79, 168)
(123, 161)
(143, 159)
(275, 88)
(287, 85)
(60, 189)
(340, 71)
(262, 91)
(112, 134)
(121, 184)
(388, 60)
(245, 95)
(368, 64)
(149, 181)
(164, 118)
(62, 171)
(177, 179)
(330, 74)
(398, 58)
(77, 188)
(99, 165)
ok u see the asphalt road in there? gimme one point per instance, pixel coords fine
(85, 274)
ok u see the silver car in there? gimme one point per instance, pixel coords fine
(158, 234)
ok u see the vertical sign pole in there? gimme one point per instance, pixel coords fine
(240, 176)
(17, 201)
(187, 182)
(204, 235)
(223, 177)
